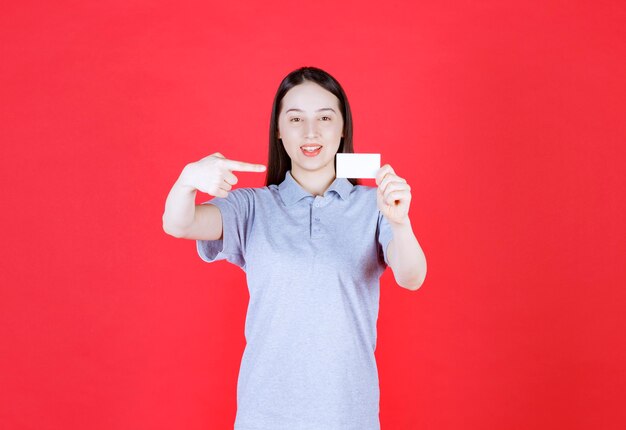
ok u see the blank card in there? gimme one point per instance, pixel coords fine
(357, 165)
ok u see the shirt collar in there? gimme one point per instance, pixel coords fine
(292, 192)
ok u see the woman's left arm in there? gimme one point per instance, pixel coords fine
(406, 258)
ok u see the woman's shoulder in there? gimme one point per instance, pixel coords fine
(358, 193)
(364, 191)
(364, 196)
(251, 193)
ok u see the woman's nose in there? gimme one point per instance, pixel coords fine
(311, 129)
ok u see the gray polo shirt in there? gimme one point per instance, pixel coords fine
(312, 266)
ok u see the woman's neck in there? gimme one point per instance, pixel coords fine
(315, 182)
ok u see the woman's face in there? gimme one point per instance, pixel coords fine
(310, 117)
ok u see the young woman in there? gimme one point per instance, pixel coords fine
(313, 248)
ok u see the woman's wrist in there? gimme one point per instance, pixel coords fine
(183, 181)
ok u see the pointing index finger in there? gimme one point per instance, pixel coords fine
(242, 166)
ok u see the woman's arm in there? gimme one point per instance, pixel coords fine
(406, 258)
(182, 218)
(404, 253)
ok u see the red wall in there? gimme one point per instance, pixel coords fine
(506, 118)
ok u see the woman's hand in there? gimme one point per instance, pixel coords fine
(393, 196)
(213, 174)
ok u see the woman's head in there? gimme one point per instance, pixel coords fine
(310, 107)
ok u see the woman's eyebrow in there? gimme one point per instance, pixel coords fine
(319, 110)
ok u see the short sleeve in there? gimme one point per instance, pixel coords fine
(385, 234)
(236, 210)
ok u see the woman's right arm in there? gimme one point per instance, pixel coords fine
(213, 175)
(184, 219)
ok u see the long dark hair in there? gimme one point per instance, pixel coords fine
(278, 160)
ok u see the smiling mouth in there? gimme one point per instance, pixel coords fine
(311, 147)
(311, 150)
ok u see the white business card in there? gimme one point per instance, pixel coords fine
(357, 165)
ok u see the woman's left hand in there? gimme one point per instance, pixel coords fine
(393, 196)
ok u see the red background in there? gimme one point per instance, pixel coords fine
(506, 118)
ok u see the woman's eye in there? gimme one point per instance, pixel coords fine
(326, 117)
(294, 119)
